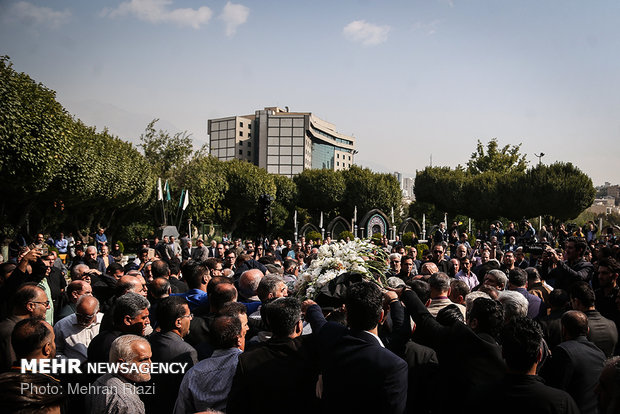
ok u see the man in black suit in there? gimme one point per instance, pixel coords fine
(469, 354)
(167, 345)
(357, 373)
(576, 364)
(522, 391)
(603, 332)
(283, 363)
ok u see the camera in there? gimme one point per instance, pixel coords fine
(535, 249)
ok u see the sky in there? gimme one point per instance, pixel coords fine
(408, 79)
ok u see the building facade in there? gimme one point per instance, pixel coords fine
(281, 142)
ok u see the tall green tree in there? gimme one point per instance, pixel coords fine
(367, 190)
(503, 160)
(320, 190)
(246, 183)
(165, 152)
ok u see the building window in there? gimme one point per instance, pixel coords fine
(249, 134)
(249, 153)
(240, 152)
(249, 143)
(337, 155)
(240, 133)
(241, 124)
(349, 158)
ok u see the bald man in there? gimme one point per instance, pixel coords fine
(74, 333)
(248, 284)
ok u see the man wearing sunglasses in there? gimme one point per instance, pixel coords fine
(75, 332)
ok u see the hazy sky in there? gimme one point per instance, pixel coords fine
(407, 78)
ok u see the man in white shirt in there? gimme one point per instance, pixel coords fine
(74, 333)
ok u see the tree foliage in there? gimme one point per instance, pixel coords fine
(560, 190)
(367, 190)
(320, 190)
(165, 152)
(500, 160)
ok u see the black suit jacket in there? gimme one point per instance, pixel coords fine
(467, 360)
(283, 364)
(575, 367)
(603, 332)
(358, 374)
(168, 347)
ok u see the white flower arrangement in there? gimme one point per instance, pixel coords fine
(357, 256)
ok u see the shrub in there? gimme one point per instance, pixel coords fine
(344, 234)
(313, 235)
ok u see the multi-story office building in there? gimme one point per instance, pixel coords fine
(280, 141)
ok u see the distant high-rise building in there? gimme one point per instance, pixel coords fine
(408, 187)
(281, 142)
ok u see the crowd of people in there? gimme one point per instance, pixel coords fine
(507, 323)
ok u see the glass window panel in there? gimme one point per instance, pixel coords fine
(285, 159)
(274, 122)
(297, 169)
(230, 133)
(298, 122)
(285, 169)
(298, 160)
(286, 132)
(298, 151)
(298, 132)
(272, 169)
(231, 124)
(273, 141)
(273, 150)
(273, 132)
(230, 152)
(285, 150)
(272, 159)
(285, 142)
(298, 142)
(286, 122)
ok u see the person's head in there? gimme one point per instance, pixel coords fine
(134, 350)
(227, 332)
(29, 393)
(421, 288)
(465, 265)
(521, 345)
(575, 248)
(456, 264)
(221, 290)
(574, 325)
(237, 310)
(515, 305)
(406, 265)
(486, 316)
(458, 291)
(395, 260)
(532, 276)
(86, 310)
(78, 288)
(470, 298)
(115, 270)
(517, 278)
(91, 253)
(159, 268)
(196, 274)
(33, 338)
(496, 278)
(509, 259)
(364, 305)
(248, 283)
(450, 315)
(30, 301)
(271, 287)
(413, 252)
(608, 387)
(230, 258)
(129, 283)
(581, 296)
(519, 255)
(440, 284)
(173, 315)
(283, 317)
(220, 249)
(160, 288)
(77, 273)
(438, 253)
(291, 266)
(131, 314)
(215, 266)
(461, 251)
(428, 269)
(485, 256)
(608, 271)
